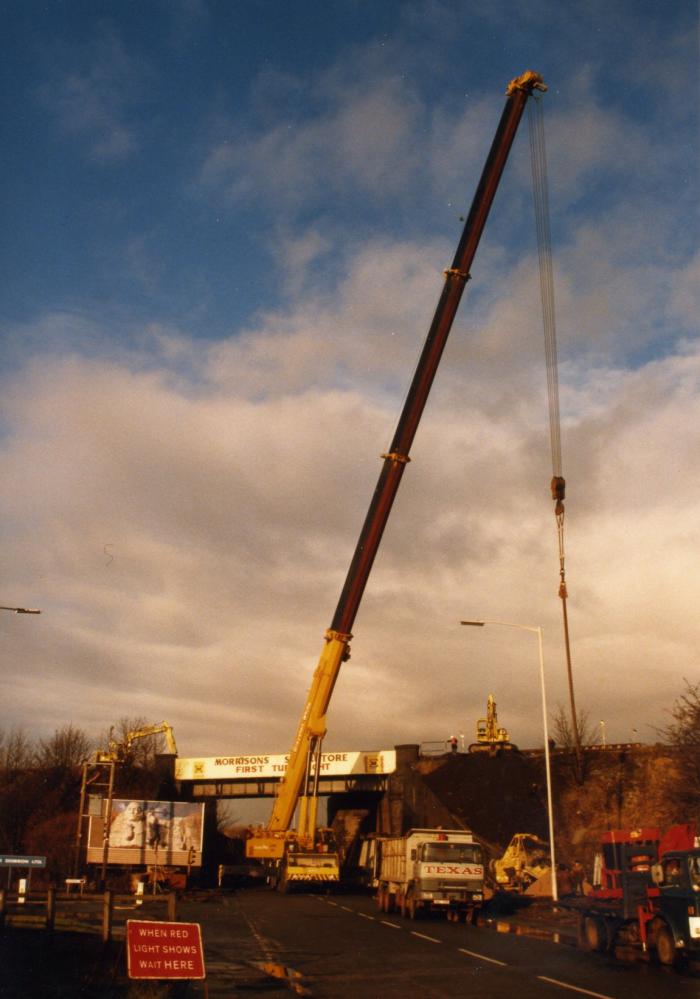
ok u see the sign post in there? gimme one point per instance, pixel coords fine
(164, 950)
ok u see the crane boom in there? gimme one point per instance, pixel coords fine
(304, 758)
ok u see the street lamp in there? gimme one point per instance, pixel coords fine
(537, 630)
(22, 610)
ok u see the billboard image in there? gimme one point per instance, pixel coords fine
(149, 832)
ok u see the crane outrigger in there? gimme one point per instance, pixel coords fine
(306, 854)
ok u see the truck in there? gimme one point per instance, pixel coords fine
(646, 896)
(278, 843)
(431, 870)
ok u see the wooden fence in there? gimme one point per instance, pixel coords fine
(105, 914)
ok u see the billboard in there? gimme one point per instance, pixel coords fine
(166, 833)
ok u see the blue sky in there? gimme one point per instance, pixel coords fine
(225, 225)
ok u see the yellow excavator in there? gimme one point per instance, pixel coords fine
(117, 752)
(307, 855)
(490, 737)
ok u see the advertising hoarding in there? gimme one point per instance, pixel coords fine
(166, 833)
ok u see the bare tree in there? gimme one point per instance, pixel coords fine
(683, 733)
(563, 732)
(66, 750)
(18, 789)
(16, 750)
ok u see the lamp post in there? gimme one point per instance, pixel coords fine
(537, 630)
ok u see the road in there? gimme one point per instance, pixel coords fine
(341, 947)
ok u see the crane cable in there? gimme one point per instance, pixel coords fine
(544, 251)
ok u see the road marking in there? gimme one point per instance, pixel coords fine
(346, 908)
(365, 916)
(394, 926)
(482, 957)
(331, 903)
(574, 988)
(424, 937)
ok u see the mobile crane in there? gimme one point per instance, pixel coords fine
(306, 855)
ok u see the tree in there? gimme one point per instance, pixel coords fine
(683, 733)
(563, 732)
(66, 750)
(20, 789)
(16, 750)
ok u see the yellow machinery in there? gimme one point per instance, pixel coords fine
(117, 752)
(526, 859)
(490, 738)
(277, 843)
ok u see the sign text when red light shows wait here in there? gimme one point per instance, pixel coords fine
(164, 950)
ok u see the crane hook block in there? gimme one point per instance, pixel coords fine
(558, 487)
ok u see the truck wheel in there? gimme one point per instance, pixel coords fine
(665, 946)
(595, 934)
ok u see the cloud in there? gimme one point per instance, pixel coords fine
(184, 509)
(187, 535)
(91, 94)
(358, 139)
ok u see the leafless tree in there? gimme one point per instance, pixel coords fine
(563, 732)
(66, 750)
(16, 750)
(18, 788)
(683, 732)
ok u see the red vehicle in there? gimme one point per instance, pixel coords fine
(648, 896)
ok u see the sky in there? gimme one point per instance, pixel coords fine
(225, 226)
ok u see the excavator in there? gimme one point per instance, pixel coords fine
(118, 752)
(306, 855)
(490, 737)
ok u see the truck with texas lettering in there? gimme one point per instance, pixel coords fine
(431, 870)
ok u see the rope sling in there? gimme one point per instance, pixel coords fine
(558, 484)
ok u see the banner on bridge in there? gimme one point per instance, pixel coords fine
(267, 767)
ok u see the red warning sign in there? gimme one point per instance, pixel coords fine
(164, 950)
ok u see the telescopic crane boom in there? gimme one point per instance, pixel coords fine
(300, 782)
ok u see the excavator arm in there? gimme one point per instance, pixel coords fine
(304, 760)
(162, 728)
(118, 751)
